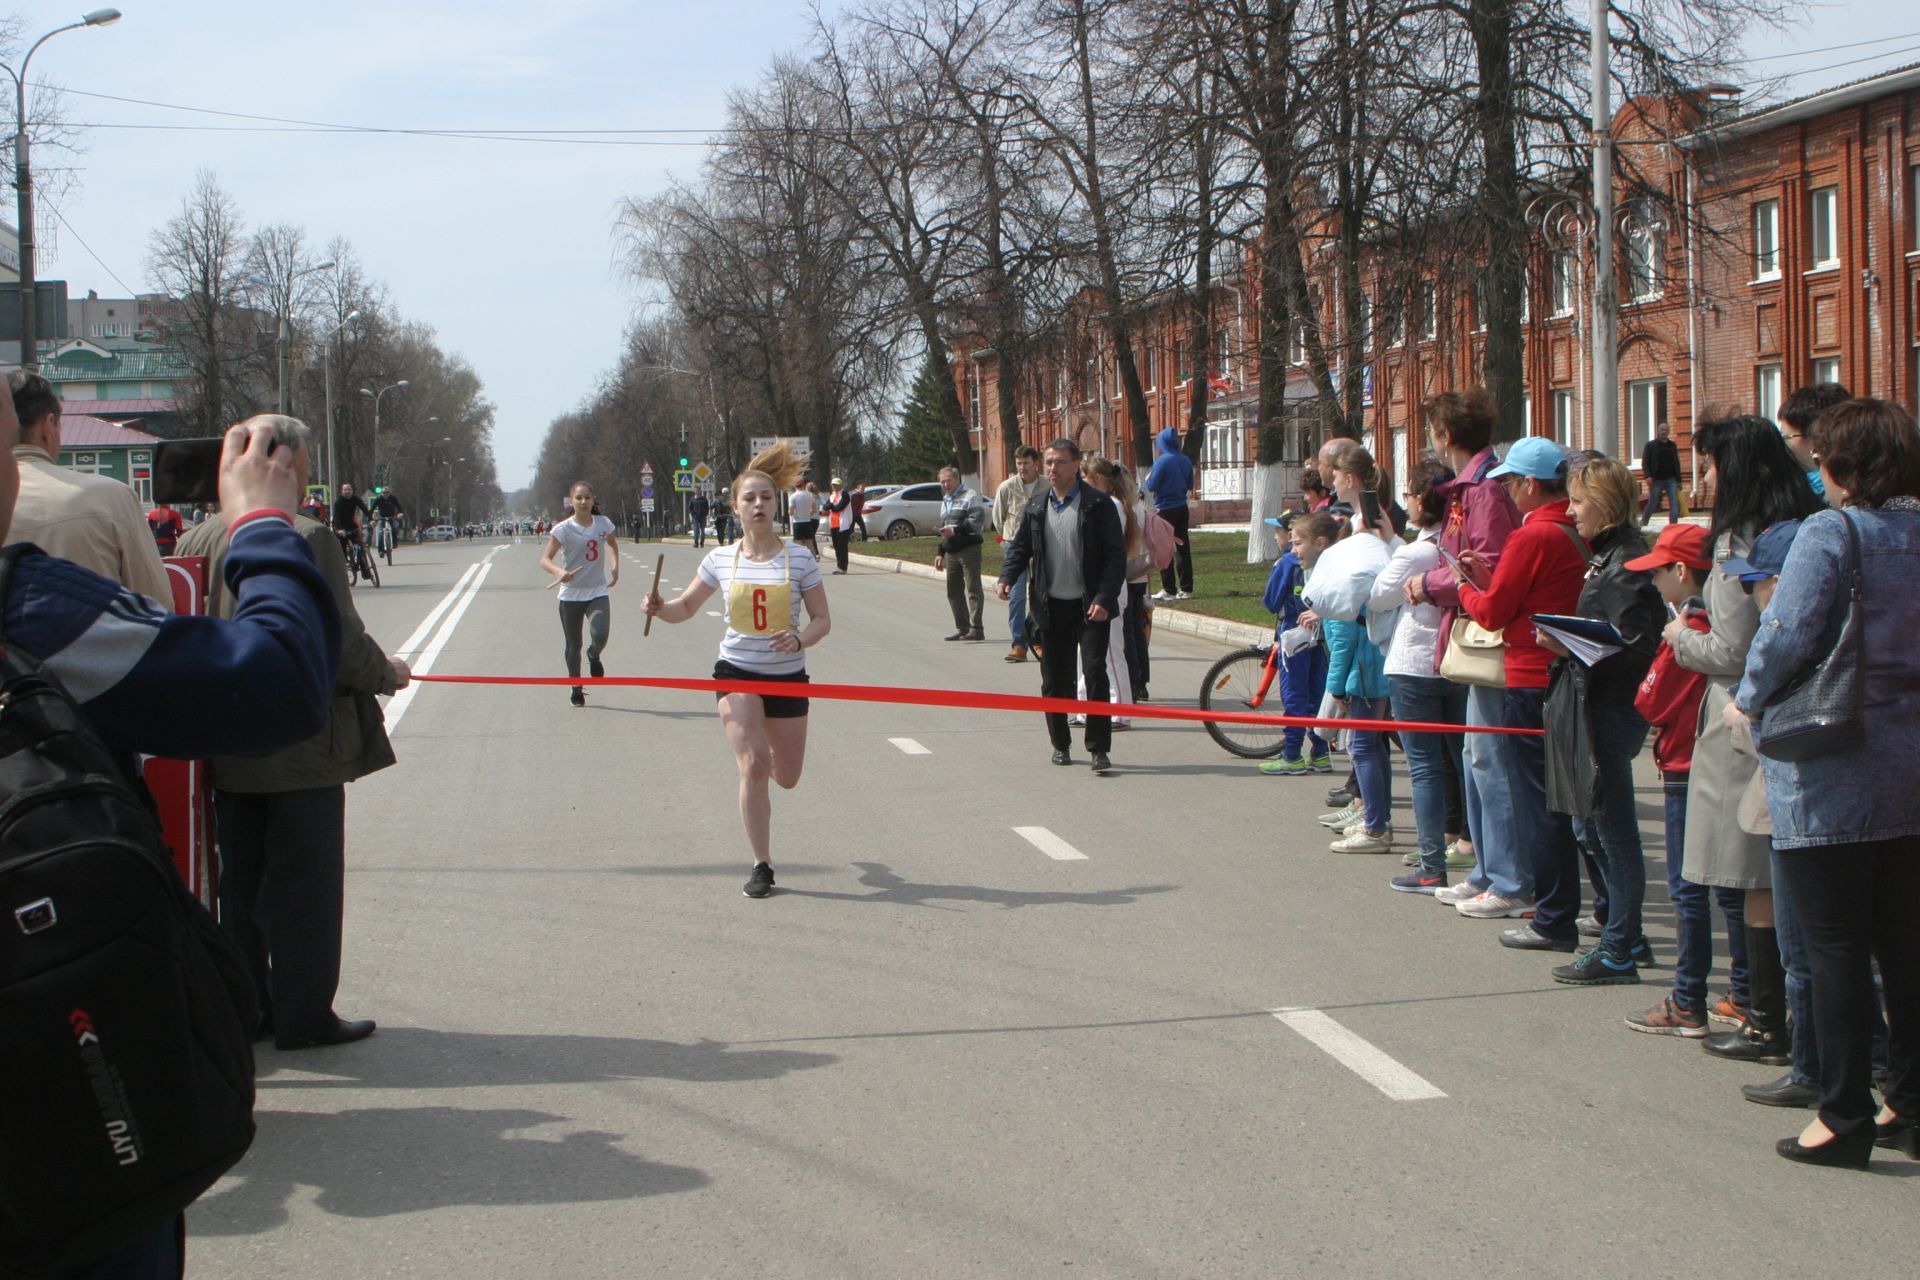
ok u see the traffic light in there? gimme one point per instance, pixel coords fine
(685, 462)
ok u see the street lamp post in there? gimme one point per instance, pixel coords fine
(280, 396)
(23, 180)
(326, 378)
(376, 397)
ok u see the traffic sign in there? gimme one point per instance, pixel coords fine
(683, 481)
(702, 472)
(801, 446)
(646, 473)
(646, 490)
(646, 505)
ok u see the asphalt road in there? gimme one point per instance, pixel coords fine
(939, 1050)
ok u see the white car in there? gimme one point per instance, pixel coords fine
(440, 533)
(909, 511)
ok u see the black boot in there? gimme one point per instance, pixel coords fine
(1764, 1037)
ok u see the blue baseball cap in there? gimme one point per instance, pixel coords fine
(1534, 456)
(1768, 555)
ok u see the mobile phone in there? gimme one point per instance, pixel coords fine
(1453, 563)
(1369, 510)
(187, 470)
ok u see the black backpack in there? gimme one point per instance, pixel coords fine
(126, 1014)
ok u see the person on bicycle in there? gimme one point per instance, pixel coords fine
(388, 511)
(349, 514)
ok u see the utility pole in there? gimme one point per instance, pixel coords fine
(1606, 292)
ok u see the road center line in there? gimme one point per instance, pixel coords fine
(1358, 1055)
(420, 634)
(398, 704)
(910, 747)
(1050, 844)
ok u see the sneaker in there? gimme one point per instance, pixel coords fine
(1589, 926)
(1728, 1012)
(1528, 938)
(1459, 859)
(1354, 828)
(579, 696)
(760, 883)
(1076, 720)
(1364, 841)
(1183, 595)
(1411, 858)
(1284, 767)
(1418, 881)
(1597, 968)
(1455, 894)
(1338, 797)
(1341, 819)
(1322, 763)
(1161, 595)
(1492, 906)
(1669, 1019)
(596, 668)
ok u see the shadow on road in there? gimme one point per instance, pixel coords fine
(423, 1058)
(380, 1161)
(890, 887)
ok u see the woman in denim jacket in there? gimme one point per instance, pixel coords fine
(1847, 823)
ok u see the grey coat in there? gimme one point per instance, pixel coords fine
(1718, 852)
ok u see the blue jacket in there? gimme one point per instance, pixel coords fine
(1284, 585)
(1172, 476)
(1355, 666)
(188, 686)
(1865, 792)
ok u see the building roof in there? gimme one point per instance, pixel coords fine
(127, 408)
(84, 431)
(1807, 106)
(111, 359)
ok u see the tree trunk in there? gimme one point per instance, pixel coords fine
(1502, 214)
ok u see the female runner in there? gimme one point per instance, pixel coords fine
(765, 580)
(588, 567)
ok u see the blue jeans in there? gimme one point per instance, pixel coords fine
(1017, 610)
(1489, 795)
(1431, 700)
(1658, 489)
(1368, 749)
(1303, 683)
(699, 530)
(1618, 735)
(1693, 917)
(1542, 839)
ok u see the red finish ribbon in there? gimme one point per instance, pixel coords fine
(979, 701)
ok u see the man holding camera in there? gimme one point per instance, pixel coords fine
(962, 517)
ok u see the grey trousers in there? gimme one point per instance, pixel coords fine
(964, 592)
(598, 618)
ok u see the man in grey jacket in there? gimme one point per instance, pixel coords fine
(282, 818)
(962, 518)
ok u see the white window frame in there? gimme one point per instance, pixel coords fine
(1363, 327)
(1823, 221)
(1826, 369)
(1223, 344)
(1566, 284)
(1766, 240)
(1060, 385)
(1429, 317)
(1646, 261)
(1767, 383)
(1297, 345)
(973, 399)
(1646, 409)
(1226, 444)
(1566, 418)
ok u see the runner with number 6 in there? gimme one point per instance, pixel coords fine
(765, 579)
(582, 554)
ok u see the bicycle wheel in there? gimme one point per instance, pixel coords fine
(369, 567)
(386, 544)
(1230, 686)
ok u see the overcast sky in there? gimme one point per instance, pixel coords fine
(506, 248)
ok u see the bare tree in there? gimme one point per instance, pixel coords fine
(197, 261)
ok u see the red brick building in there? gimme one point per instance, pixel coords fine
(1756, 252)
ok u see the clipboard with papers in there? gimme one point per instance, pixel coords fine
(1588, 639)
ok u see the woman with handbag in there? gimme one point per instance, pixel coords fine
(1756, 483)
(1832, 688)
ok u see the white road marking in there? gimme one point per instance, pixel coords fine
(713, 613)
(398, 704)
(1358, 1055)
(1050, 844)
(910, 747)
(419, 636)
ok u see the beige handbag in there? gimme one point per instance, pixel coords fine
(1475, 655)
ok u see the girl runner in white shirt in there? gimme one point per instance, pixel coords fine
(766, 579)
(581, 553)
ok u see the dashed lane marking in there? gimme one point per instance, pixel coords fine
(1050, 844)
(910, 747)
(1358, 1055)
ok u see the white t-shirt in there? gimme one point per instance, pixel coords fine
(583, 547)
(803, 505)
(755, 652)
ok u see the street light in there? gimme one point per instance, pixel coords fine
(374, 396)
(326, 378)
(23, 179)
(280, 342)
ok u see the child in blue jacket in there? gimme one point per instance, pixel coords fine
(1303, 677)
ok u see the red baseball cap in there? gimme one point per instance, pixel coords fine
(1677, 544)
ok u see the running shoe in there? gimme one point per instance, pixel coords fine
(1075, 720)
(1728, 1012)
(1162, 595)
(1589, 926)
(579, 697)
(1417, 881)
(1183, 595)
(1459, 859)
(760, 883)
(596, 668)
(1455, 894)
(1364, 841)
(1597, 968)
(1528, 938)
(1284, 767)
(1340, 819)
(1322, 763)
(1494, 906)
(1669, 1019)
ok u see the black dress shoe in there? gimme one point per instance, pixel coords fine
(1781, 1093)
(1749, 1044)
(958, 635)
(1900, 1134)
(341, 1032)
(1100, 762)
(1852, 1151)
(1061, 757)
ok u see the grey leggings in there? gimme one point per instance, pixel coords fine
(598, 618)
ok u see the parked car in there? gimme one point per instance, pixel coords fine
(440, 533)
(909, 511)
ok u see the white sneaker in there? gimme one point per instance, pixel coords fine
(1161, 595)
(1492, 906)
(1076, 720)
(1364, 841)
(1455, 894)
(1183, 595)
(1341, 819)
(1354, 828)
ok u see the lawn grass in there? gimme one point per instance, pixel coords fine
(1224, 584)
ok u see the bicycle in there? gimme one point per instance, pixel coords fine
(1241, 681)
(361, 565)
(383, 539)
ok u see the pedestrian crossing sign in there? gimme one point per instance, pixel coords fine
(683, 482)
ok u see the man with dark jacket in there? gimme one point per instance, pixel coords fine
(1072, 542)
(282, 818)
(1660, 468)
(1169, 482)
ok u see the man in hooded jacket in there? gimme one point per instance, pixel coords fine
(1170, 481)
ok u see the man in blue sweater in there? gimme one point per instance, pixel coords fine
(185, 686)
(1170, 481)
